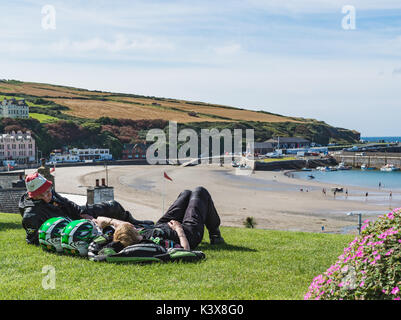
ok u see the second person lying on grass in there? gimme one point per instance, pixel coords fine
(181, 226)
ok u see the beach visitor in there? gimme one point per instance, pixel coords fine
(181, 226)
(41, 203)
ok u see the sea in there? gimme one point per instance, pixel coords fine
(356, 177)
(383, 182)
(390, 181)
(381, 139)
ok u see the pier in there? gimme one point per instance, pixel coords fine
(370, 159)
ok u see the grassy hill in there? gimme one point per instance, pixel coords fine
(87, 104)
(255, 264)
(127, 117)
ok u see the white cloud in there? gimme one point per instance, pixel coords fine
(121, 43)
(229, 49)
(316, 6)
(397, 71)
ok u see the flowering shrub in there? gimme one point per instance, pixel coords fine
(369, 268)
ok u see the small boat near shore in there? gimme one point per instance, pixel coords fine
(326, 169)
(366, 167)
(342, 166)
(389, 168)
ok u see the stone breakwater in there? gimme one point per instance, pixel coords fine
(293, 164)
(370, 159)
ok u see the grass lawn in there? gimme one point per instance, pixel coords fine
(254, 264)
(43, 117)
(277, 159)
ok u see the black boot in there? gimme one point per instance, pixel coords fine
(215, 237)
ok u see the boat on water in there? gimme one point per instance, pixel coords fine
(326, 168)
(306, 169)
(389, 168)
(342, 166)
(366, 167)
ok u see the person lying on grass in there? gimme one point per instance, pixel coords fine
(120, 234)
(181, 226)
(41, 203)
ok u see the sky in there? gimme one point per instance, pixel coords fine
(335, 61)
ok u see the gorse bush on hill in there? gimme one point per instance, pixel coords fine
(369, 268)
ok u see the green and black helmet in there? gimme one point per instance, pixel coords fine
(77, 235)
(50, 233)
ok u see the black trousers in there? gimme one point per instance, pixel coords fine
(194, 210)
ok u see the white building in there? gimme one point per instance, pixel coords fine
(57, 157)
(14, 109)
(76, 155)
(17, 146)
(92, 154)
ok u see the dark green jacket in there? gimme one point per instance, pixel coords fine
(35, 212)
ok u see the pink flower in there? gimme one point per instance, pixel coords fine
(395, 290)
(359, 254)
(389, 252)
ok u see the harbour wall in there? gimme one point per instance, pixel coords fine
(293, 164)
(370, 159)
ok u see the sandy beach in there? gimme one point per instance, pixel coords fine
(274, 199)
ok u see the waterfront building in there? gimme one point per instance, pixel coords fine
(289, 142)
(76, 155)
(19, 147)
(134, 151)
(262, 147)
(58, 157)
(12, 108)
(92, 154)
